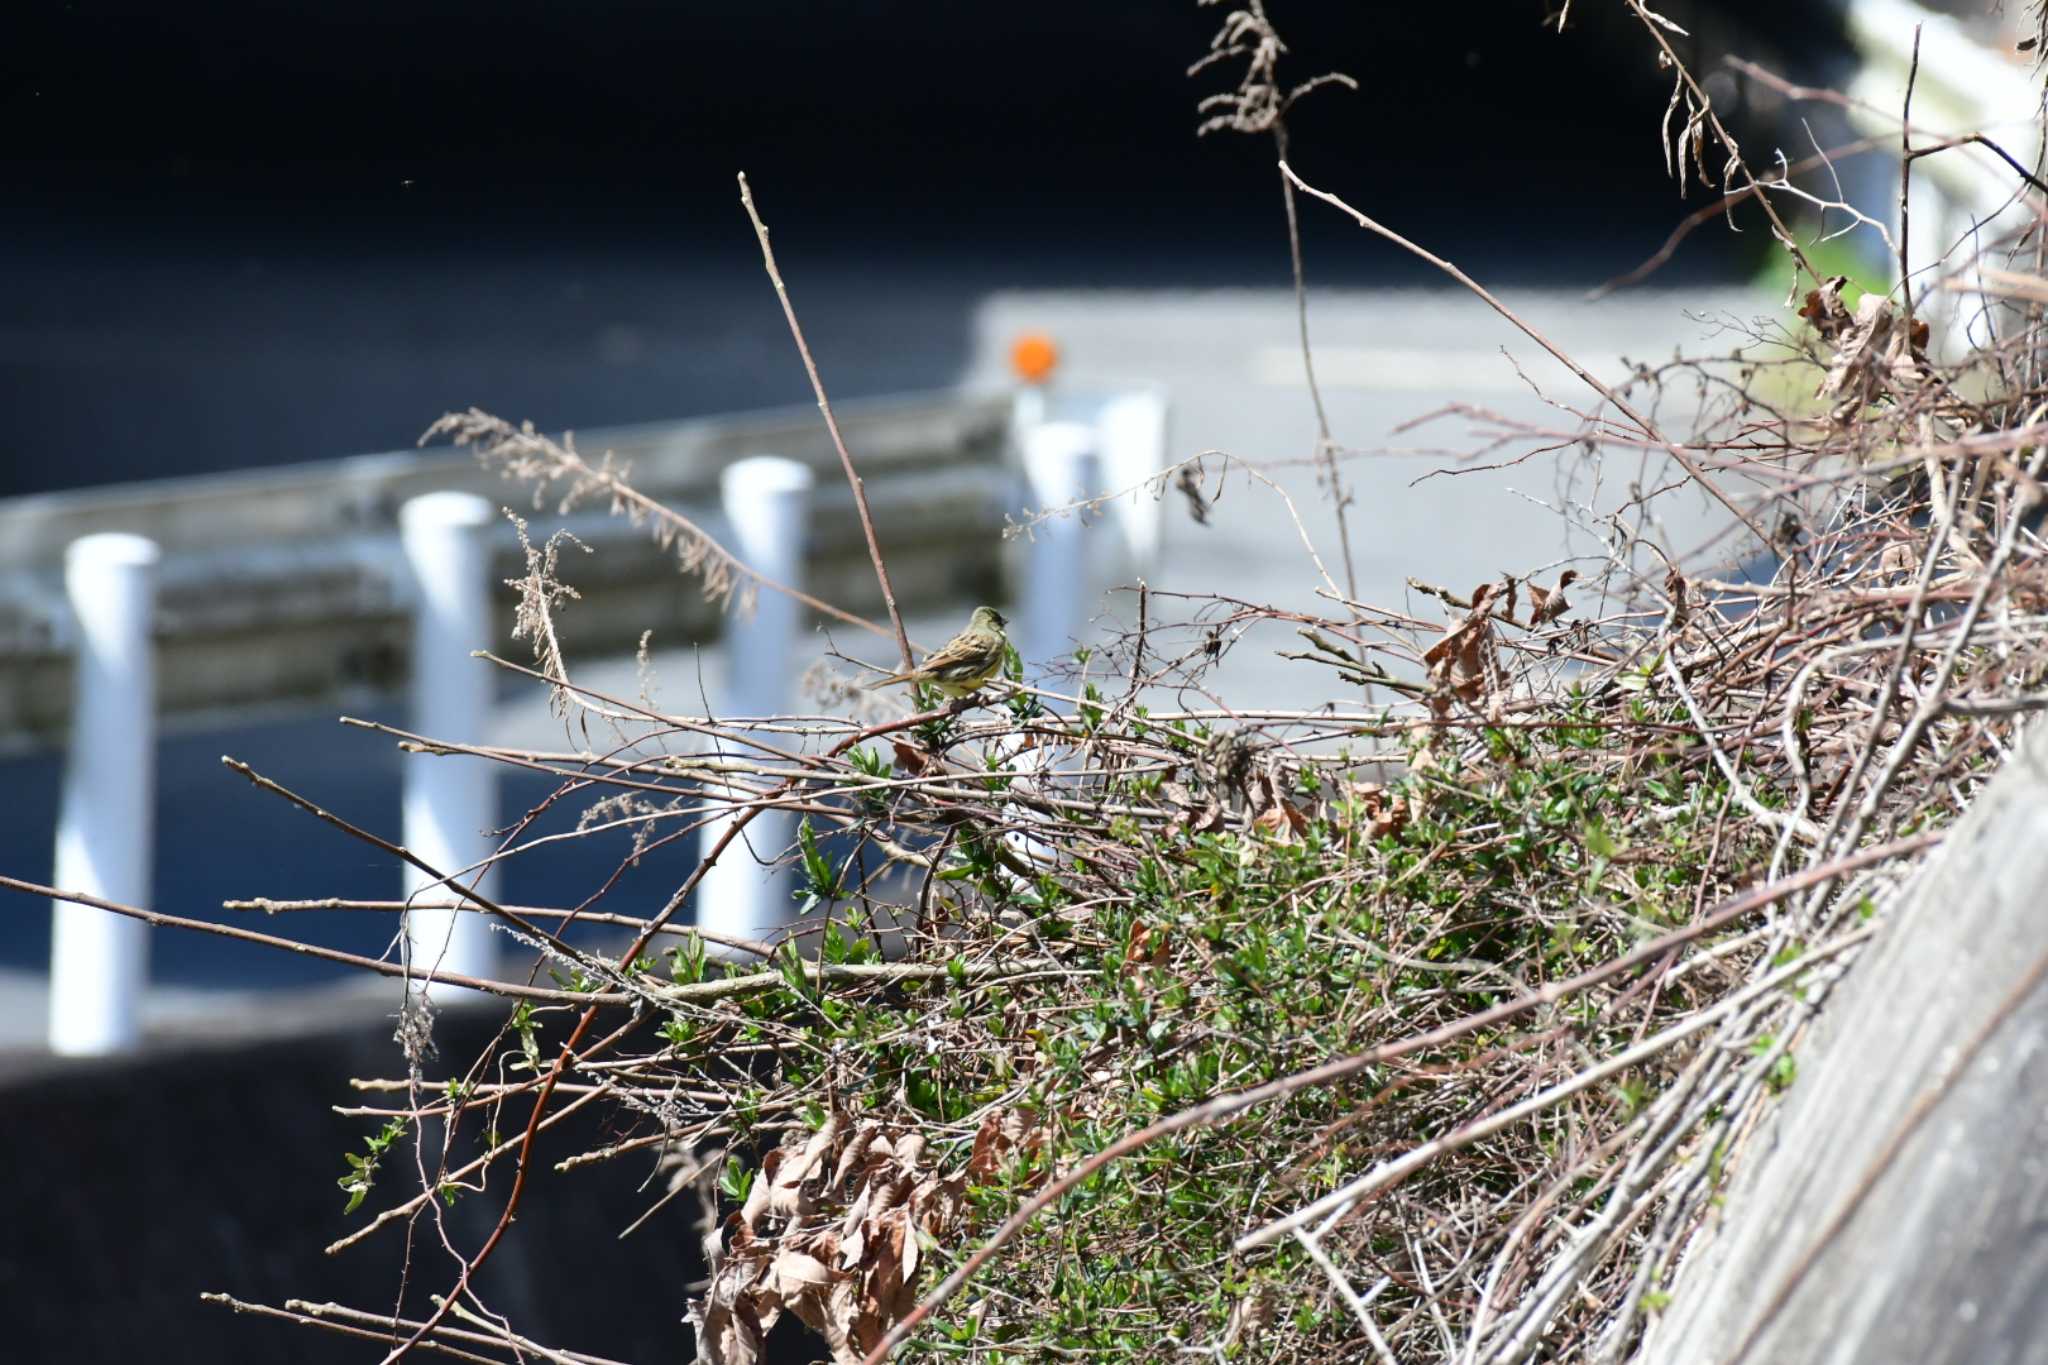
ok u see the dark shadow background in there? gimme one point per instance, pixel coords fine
(239, 235)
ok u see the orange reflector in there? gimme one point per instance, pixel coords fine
(1034, 355)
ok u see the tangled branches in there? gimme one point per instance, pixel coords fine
(1134, 1020)
(561, 477)
(1457, 1004)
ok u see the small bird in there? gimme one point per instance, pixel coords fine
(965, 663)
(1547, 604)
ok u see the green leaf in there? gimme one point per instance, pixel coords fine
(686, 963)
(528, 1031)
(791, 966)
(819, 881)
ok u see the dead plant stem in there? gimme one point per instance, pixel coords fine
(1585, 376)
(853, 479)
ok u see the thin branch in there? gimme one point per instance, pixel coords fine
(510, 990)
(271, 906)
(451, 880)
(1620, 404)
(1391, 1172)
(523, 453)
(306, 1319)
(1720, 207)
(860, 496)
(1906, 186)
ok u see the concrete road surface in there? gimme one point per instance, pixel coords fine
(1229, 361)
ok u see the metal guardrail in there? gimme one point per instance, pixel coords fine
(190, 598)
(1961, 85)
(288, 587)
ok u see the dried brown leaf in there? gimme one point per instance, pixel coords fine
(1898, 558)
(760, 1192)
(1283, 821)
(1457, 662)
(795, 1273)
(1548, 604)
(1190, 485)
(1825, 310)
(1145, 943)
(1372, 810)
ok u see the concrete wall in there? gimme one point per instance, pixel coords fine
(133, 1186)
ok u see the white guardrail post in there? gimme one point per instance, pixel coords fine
(767, 503)
(1131, 435)
(450, 802)
(1127, 434)
(106, 820)
(1061, 466)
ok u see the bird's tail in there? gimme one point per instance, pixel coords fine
(892, 679)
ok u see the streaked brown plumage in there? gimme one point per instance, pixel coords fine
(965, 663)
